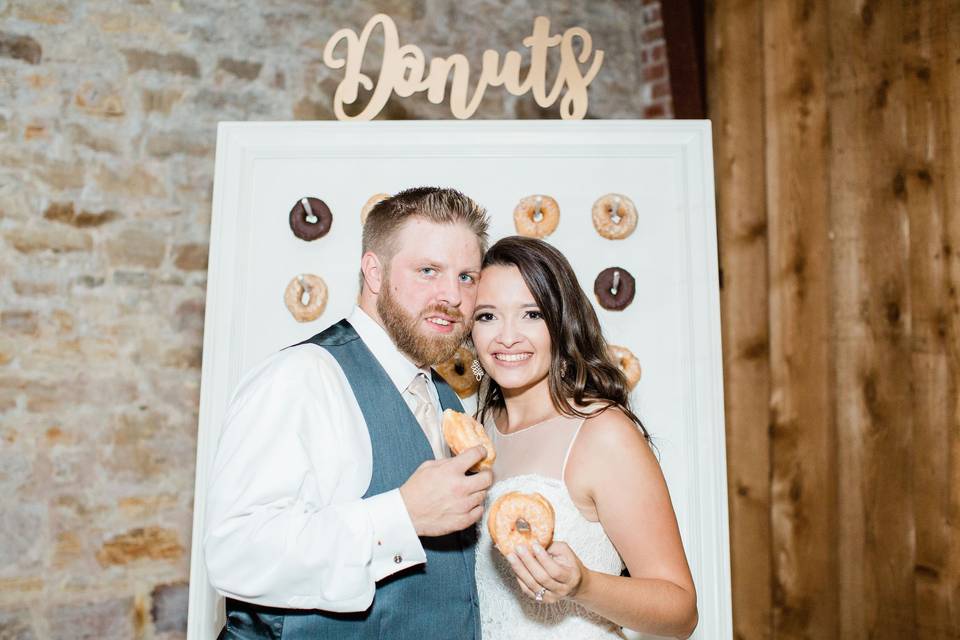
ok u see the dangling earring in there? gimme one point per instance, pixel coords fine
(563, 368)
(477, 370)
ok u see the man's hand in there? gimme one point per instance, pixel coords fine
(441, 497)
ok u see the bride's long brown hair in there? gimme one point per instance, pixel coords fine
(580, 367)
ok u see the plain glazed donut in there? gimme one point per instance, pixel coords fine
(370, 204)
(536, 216)
(520, 518)
(462, 432)
(310, 219)
(306, 297)
(627, 363)
(456, 371)
(614, 216)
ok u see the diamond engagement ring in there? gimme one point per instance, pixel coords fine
(539, 595)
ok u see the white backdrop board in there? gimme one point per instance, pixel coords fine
(673, 325)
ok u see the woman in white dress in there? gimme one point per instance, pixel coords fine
(558, 412)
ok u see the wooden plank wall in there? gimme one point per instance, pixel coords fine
(837, 153)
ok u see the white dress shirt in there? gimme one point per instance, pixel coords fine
(286, 525)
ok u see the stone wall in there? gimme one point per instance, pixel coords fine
(108, 114)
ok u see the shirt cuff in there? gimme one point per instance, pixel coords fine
(395, 542)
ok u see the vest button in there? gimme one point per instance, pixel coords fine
(398, 558)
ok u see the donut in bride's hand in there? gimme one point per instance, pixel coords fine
(517, 518)
(462, 432)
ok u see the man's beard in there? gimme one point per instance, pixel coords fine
(409, 337)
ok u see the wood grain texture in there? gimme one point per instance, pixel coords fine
(871, 315)
(803, 459)
(735, 59)
(938, 539)
(928, 135)
(856, 104)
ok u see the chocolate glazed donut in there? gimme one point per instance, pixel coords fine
(310, 219)
(614, 288)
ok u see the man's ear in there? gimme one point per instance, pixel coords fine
(372, 270)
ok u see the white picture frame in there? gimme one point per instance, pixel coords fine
(673, 325)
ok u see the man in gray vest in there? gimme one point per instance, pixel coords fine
(335, 509)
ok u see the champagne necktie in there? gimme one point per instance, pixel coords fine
(426, 414)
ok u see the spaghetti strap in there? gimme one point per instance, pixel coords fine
(589, 409)
(563, 469)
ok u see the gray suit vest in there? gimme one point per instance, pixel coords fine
(426, 602)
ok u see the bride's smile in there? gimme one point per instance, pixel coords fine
(511, 337)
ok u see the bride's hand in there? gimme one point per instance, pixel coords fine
(555, 573)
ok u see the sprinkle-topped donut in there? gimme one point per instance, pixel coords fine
(614, 216)
(614, 288)
(310, 219)
(536, 216)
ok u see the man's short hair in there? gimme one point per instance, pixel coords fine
(441, 206)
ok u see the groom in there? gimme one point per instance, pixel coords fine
(334, 509)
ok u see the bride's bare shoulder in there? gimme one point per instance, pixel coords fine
(610, 425)
(609, 437)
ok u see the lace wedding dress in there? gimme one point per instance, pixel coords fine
(533, 460)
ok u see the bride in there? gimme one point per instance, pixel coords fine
(558, 413)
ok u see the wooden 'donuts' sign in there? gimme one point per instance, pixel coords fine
(404, 71)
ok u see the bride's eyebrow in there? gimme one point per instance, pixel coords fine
(528, 305)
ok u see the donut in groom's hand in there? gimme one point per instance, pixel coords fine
(517, 518)
(462, 432)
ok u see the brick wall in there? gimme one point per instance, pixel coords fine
(107, 131)
(653, 60)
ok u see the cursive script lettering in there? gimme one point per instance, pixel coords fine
(404, 71)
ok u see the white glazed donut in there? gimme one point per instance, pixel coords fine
(306, 297)
(614, 216)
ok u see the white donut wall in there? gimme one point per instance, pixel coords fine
(672, 326)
